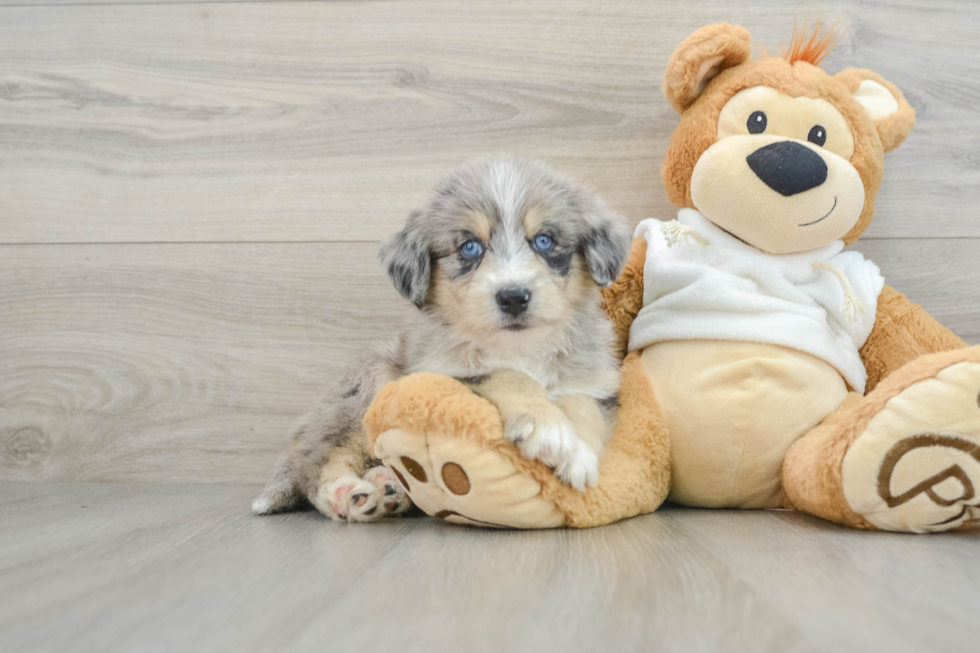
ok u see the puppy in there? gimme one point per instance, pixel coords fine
(504, 265)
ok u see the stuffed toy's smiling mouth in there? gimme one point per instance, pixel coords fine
(808, 224)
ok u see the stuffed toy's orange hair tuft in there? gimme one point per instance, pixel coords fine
(814, 49)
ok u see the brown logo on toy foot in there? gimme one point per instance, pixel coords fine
(900, 449)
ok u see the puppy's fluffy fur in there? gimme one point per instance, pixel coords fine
(504, 265)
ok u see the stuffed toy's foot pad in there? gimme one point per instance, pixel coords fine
(916, 465)
(465, 482)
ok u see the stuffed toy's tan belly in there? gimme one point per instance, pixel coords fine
(733, 409)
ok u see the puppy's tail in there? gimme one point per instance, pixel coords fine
(280, 494)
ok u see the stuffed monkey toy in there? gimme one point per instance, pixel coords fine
(764, 365)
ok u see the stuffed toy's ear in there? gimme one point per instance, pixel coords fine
(893, 116)
(699, 59)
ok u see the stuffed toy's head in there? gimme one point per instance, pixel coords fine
(776, 151)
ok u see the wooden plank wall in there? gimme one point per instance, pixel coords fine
(192, 194)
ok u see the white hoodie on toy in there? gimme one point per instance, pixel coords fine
(702, 283)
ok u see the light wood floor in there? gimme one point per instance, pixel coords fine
(121, 567)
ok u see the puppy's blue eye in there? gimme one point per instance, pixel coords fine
(471, 249)
(543, 243)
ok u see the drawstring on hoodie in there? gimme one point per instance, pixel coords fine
(675, 233)
(852, 305)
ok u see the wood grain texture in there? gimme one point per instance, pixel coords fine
(163, 568)
(61, 3)
(187, 362)
(221, 174)
(174, 362)
(329, 120)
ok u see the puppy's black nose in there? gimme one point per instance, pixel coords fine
(513, 301)
(788, 167)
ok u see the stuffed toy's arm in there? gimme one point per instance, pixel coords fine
(624, 298)
(903, 331)
(447, 446)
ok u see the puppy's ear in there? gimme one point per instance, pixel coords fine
(408, 261)
(893, 116)
(606, 244)
(700, 58)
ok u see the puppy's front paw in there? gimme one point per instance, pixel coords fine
(350, 499)
(580, 467)
(551, 439)
(394, 499)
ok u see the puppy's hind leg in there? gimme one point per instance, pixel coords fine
(329, 459)
(341, 493)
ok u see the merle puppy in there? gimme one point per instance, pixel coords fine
(504, 264)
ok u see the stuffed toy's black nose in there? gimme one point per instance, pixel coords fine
(788, 167)
(513, 301)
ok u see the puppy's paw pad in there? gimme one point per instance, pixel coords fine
(364, 504)
(350, 498)
(394, 500)
(380, 475)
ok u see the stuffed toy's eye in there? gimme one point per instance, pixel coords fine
(817, 135)
(757, 122)
(543, 243)
(471, 249)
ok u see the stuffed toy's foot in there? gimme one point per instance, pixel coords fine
(446, 445)
(904, 458)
